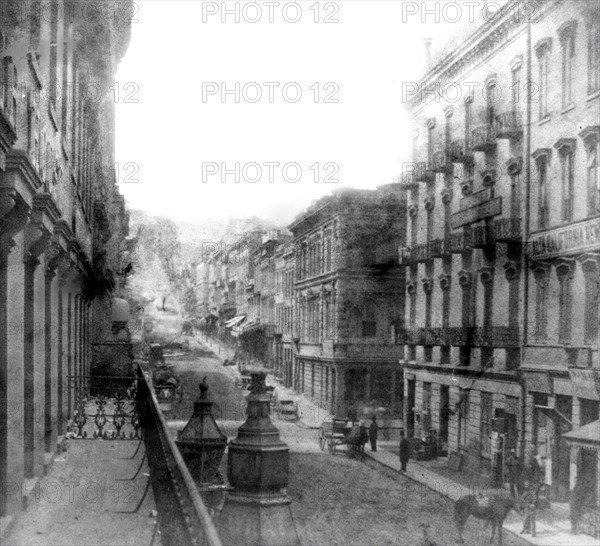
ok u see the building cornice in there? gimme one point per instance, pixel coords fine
(485, 39)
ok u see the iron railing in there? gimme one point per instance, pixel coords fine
(126, 408)
(469, 336)
(182, 515)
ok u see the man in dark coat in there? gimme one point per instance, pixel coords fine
(514, 470)
(404, 451)
(373, 433)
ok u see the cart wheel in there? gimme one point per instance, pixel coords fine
(331, 445)
(322, 440)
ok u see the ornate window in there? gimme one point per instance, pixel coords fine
(541, 273)
(515, 68)
(589, 264)
(491, 97)
(430, 141)
(590, 136)
(542, 159)
(564, 272)
(566, 151)
(542, 50)
(567, 41)
(468, 121)
(593, 53)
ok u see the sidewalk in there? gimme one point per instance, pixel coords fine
(97, 492)
(552, 526)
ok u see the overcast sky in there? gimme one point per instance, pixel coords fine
(348, 128)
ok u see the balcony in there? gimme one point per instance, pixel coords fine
(457, 243)
(415, 254)
(423, 172)
(437, 248)
(483, 138)
(440, 162)
(421, 252)
(460, 153)
(504, 230)
(509, 125)
(507, 230)
(471, 336)
(482, 236)
(408, 180)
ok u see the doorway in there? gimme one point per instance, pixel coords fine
(410, 409)
(444, 418)
(561, 458)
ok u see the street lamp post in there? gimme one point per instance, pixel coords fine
(257, 510)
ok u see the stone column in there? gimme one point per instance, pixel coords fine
(37, 237)
(576, 420)
(14, 214)
(60, 362)
(52, 324)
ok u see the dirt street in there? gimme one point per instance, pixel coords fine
(335, 499)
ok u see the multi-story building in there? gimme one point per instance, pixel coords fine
(285, 266)
(62, 221)
(501, 256)
(258, 331)
(349, 299)
(560, 361)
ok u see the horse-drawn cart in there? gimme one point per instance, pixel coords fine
(339, 432)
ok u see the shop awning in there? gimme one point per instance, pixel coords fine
(587, 436)
(234, 321)
(553, 413)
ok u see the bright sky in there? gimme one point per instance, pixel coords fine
(175, 139)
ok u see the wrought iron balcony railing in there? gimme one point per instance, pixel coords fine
(441, 162)
(509, 125)
(471, 336)
(414, 254)
(482, 236)
(483, 138)
(437, 248)
(409, 180)
(460, 152)
(507, 230)
(456, 243)
(503, 230)
(423, 172)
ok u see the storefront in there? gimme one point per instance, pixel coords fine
(560, 402)
(584, 444)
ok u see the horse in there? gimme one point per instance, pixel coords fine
(494, 511)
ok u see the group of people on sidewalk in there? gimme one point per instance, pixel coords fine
(526, 482)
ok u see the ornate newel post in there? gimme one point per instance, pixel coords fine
(257, 511)
(202, 445)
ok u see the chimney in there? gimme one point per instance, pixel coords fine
(427, 43)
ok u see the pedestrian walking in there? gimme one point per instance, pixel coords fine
(404, 451)
(514, 469)
(373, 433)
(529, 502)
